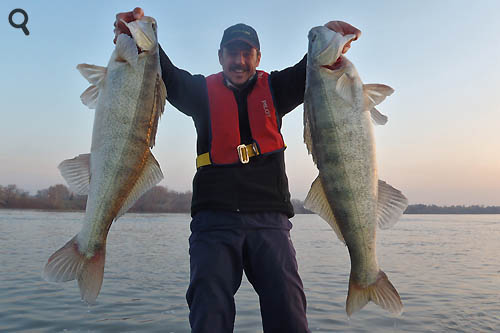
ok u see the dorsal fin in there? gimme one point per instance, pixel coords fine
(390, 206)
(158, 107)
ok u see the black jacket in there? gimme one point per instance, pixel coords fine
(259, 186)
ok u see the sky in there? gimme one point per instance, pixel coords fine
(440, 145)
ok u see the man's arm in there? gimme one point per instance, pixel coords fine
(184, 91)
(288, 87)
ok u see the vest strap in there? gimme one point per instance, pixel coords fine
(244, 154)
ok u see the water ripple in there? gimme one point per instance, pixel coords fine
(444, 267)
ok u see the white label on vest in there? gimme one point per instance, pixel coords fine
(266, 108)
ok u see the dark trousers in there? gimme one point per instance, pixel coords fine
(219, 257)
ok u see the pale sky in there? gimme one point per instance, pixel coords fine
(441, 57)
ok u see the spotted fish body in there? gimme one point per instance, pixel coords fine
(128, 96)
(338, 131)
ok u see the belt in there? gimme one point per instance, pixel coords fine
(244, 154)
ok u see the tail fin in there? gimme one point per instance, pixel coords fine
(68, 263)
(382, 293)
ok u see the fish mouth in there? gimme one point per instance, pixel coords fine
(330, 56)
(143, 32)
(336, 65)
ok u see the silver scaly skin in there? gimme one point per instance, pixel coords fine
(338, 131)
(128, 96)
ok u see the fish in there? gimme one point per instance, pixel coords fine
(339, 114)
(128, 97)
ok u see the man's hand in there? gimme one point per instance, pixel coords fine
(120, 28)
(344, 29)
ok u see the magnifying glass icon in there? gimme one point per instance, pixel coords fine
(19, 25)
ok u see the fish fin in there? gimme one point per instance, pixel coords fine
(126, 49)
(64, 264)
(307, 132)
(76, 172)
(377, 117)
(141, 37)
(94, 74)
(382, 293)
(158, 107)
(344, 88)
(317, 202)
(91, 276)
(89, 97)
(68, 263)
(390, 206)
(375, 94)
(150, 176)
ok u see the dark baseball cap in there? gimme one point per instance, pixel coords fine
(241, 32)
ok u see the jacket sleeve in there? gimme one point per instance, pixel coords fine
(288, 86)
(186, 92)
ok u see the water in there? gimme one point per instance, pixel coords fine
(445, 268)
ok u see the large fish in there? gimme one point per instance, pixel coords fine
(338, 131)
(128, 96)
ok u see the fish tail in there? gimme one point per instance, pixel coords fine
(68, 263)
(382, 293)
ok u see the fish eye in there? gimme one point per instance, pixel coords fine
(313, 38)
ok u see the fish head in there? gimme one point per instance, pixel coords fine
(144, 33)
(325, 47)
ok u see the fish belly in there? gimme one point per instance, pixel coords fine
(345, 156)
(339, 134)
(119, 150)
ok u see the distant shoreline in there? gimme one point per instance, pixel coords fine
(297, 212)
(162, 200)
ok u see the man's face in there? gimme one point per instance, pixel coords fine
(239, 62)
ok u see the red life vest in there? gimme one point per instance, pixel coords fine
(225, 133)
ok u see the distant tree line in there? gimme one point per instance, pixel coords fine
(423, 209)
(459, 209)
(162, 200)
(58, 197)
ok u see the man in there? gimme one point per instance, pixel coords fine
(241, 202)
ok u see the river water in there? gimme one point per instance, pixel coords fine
(445, 267)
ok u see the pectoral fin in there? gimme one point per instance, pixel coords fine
(344, 88)
(76, 172)
(95, 75)
(151, 175)
(390, 206)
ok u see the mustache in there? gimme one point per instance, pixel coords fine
(238, 67)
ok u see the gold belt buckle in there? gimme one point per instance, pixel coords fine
(243, 154)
